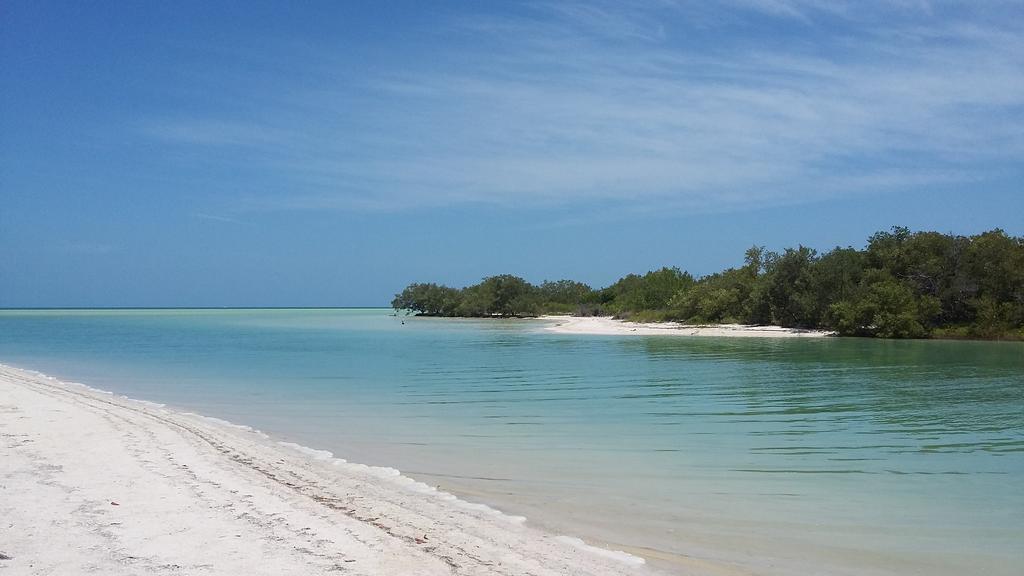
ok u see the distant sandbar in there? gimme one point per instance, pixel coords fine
(604, 325)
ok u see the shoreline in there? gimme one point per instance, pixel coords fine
(607, 326)
(131, 487)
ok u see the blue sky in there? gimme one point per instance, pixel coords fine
(252, 154)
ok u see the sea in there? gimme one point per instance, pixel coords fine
(703, 455)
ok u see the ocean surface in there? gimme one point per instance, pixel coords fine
(767, 456)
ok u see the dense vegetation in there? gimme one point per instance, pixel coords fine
(902, 285)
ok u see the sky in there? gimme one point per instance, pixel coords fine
(329, 153)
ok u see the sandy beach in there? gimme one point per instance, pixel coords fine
(94, 483)
(603, 325)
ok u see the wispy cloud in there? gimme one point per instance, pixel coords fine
(213, 132)
(216, 218)
(87, 248)
(645, 104)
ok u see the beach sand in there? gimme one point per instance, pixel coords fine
(95, 483)
(603, 325)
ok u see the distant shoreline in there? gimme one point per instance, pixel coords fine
(606, 325)
(204, 308)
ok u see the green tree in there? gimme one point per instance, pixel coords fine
(659, 286)
(789, 288)
(428, 299)
(564, 296)
(994, 267)
(902, 285)
(885, 307)
(507, 295)
(721, 297)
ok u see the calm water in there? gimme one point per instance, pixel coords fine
(834, 456)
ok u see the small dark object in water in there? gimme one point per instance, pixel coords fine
(114, 504)
(5, 556)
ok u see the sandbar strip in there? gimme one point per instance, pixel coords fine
(603, 325)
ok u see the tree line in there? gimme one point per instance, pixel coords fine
(903, 284)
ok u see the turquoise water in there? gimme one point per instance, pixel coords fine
(830, 456)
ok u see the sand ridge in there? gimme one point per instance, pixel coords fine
(94, 483)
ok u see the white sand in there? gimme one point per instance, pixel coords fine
(93, 483)
(608, 326)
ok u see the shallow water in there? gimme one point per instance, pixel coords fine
(781, 456)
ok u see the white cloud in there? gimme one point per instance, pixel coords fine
(87, 248)
(215, 218)
(568, 104)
